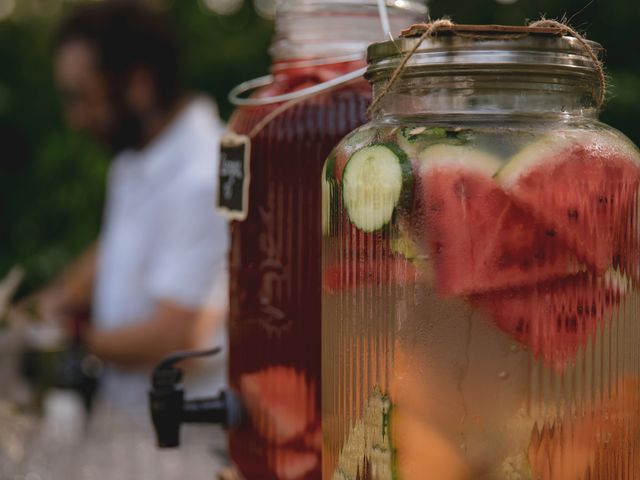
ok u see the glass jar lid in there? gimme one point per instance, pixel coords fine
(416, 6)
(484, 48)
(337, 28)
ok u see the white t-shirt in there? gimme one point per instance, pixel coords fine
(162, 239)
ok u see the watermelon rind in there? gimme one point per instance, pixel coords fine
(535, 316)
(466, 157)
(617, 282)
(582, 185)
(548, 146)
(529, 157)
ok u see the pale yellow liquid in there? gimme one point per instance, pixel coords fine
(480, 393)
(475, 403)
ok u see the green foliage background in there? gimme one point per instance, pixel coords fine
(52, 181)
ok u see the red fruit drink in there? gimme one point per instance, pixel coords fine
(275, 280)
(480, 273)
(275, 267)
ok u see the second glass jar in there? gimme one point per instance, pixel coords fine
(274, 322)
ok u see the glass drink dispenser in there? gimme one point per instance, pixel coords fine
(314, 97)
(480, 269)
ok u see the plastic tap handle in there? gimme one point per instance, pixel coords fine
(171, 360)
(167, 376)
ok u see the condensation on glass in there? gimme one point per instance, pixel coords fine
(480, 271)
(275, 266)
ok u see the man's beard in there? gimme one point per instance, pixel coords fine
(126, 132)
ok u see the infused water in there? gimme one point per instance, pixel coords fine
(480, 303)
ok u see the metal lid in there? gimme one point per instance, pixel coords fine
(483, 48)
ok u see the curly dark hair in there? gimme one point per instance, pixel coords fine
(124, 35)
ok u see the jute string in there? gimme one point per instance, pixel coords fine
(568, 30)
(430, 29)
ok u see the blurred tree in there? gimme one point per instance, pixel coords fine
(51, 181)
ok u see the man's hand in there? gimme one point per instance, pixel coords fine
(48, 304)
(8, 287)
(142, 344)
(67, 296)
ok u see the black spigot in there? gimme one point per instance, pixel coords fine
(169, 410)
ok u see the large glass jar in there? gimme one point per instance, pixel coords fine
(480, 270)
(275, 278)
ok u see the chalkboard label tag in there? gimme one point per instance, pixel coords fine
(234, 175)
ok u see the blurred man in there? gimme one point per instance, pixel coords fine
(156, 278)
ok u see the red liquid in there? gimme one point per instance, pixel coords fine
(275, 268)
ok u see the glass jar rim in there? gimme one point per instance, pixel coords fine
(328, 28)
(477, 48)
(416, 6)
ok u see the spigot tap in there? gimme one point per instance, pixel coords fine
(169, 409)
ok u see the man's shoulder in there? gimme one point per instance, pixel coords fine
(200, 122)
(190, 152)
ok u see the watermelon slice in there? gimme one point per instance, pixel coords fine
(479, 238)
(368, 272)
(281, 403)
(313, 439)
(289, 80)
(581, 186)
(627, 254)
(292, 464)
(556, 319)
(601, 443)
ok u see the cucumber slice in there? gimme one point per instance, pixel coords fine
(329, 193)
(415, 139)
(376, 181)
(417, 134)
(405, 246)
(368, 444)
(355, 141)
